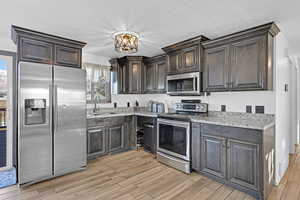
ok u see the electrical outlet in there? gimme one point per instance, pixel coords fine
(260, 109)
(223, 108)
(248, 109)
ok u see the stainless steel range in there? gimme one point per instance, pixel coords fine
(173, 134)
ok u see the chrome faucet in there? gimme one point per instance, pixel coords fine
(95, 108)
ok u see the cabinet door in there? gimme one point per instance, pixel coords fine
(248, 64)
(115, 138)
(196, 147)
(149, 137)
(123, 79)
(150, 77)
(135, 77)
(213, 158)
(67, 56)
(216, 69)
(190, 59)
(243, 164)
(96, 142)
(161, 76)
(36, 51)
(174, 62)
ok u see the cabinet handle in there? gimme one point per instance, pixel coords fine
(148, 126)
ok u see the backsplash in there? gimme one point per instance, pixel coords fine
(234, 101)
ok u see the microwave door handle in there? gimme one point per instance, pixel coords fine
(194, 85)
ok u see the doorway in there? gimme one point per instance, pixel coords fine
(8, 125)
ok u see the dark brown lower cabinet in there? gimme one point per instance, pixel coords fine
(96, 142)
(239, 157)
(214, 155)
(116, 138)
(243, 164)
(109, 135)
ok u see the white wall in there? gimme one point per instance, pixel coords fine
(7, 44)
(90, 58)
(286, 106)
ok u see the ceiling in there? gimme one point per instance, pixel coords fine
(158, 22)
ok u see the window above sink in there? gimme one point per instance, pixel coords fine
(98, 85)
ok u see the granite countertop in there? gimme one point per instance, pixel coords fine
(122, 113)
(241, 120)
(234, 119)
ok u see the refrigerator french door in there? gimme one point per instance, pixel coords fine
(51, 121)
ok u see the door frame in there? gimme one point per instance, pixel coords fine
(12, 134)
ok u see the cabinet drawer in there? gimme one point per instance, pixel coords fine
(35, 51)
(67, 56)
(96, 122)
(247, 135)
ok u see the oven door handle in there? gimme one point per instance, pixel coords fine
(173, 122)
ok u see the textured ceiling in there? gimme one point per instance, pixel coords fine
(159, 22)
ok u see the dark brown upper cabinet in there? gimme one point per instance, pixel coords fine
(137, 74)
(130, 73)
(240, 61)
(67, 56)
(216, 68)
(185, 56)
(155, 74)
(248, 63)
(34, 46)
(35, 50)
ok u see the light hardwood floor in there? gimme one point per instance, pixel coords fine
(289, 187)
(135, 175)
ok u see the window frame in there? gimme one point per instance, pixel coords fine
(108, 89)
(11, 138)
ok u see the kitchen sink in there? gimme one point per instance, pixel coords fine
(105, 113)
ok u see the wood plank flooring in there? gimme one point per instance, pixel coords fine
(135, 175)
(289, 187)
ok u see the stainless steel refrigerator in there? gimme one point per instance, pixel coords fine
(51, 121)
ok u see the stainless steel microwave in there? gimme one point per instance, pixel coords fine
(184, 84)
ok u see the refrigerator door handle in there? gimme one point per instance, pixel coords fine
(55, 113)
(50, 105)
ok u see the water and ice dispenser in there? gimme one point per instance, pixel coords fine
(35, 111)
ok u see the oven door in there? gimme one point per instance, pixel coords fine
(173, 138)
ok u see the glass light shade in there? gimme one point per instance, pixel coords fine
(126, 42)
